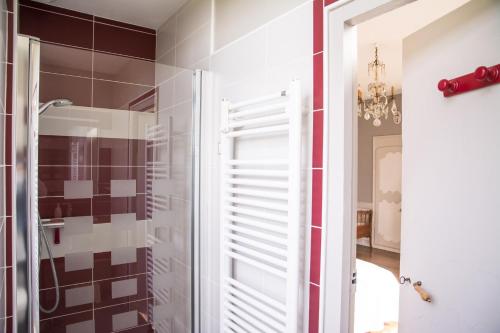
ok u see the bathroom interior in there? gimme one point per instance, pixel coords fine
(155, 166)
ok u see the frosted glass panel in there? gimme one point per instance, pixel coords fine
(115, 171)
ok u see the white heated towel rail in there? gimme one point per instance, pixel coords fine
(260, 213)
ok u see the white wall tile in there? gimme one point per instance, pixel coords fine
(165, 37)
(163, 218)
(241, 59)
(95, 122)
(183, 87)
(123, 221)
(236, 18)
(162, 250)
(87, 326)
(180, 117)
(78, 261)
(123, 188)
(123, 255)
(123, 288)
(78, 189)
(165, 67)
(192, 16)
(193, 48)
(290, 36)
(301, 68)
(125, 320)
(79, 296)
(162, 312)
(78, 225)
(104, 238)
(163, 281)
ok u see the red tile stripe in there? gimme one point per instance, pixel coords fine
(317, 171)
(317, 153)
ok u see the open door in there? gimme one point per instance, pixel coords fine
(451, 176)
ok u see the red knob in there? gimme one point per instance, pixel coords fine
(484, 73)
(445, 85)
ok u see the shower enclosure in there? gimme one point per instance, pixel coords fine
(112, 179)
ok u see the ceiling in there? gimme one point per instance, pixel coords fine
(145, 13)
(388, 32)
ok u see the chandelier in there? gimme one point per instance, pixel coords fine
(376, 106)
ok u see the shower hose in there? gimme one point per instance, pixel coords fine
(52, 266)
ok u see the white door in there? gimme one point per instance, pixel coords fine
(387, 157)
(451, 177)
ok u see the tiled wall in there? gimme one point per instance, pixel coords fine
(92, 167)
(254, 62)
(7, 33)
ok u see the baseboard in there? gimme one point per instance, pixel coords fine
(365, 205)
(363, 241)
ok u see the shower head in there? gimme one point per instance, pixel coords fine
(56, 103)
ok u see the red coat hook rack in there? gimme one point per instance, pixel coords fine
(482, 77)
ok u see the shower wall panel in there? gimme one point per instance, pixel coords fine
(7, 33)
(92, 168)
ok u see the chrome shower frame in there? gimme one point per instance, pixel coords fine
(26, 185)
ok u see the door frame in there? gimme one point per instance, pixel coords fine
(339, 148)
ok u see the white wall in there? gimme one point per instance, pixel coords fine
(253, 60)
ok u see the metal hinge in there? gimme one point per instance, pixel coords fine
(219, 150)
(354, 278)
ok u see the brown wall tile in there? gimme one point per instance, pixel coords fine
(57, 150)
(65, 60)
(123, 69)
(8, 93)
(69, 207)
(58, 324)
(47, 299)
(124, 25)
(119, 152)
(55, 28)
(104, 316)
(124, 41)
(54, 9)
(51, 178)
(10, 38)
(65, 278)
(104, 206)
(103, 291)
(104, 270)
(103, 175)
(77, 89)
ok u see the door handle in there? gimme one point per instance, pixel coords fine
(424, 295)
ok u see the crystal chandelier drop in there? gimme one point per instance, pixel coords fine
(376, 106)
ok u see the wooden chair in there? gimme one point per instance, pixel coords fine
(364, 224)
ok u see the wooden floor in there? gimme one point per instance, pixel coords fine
(386, 259)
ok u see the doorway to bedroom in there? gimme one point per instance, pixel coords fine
(378, 168)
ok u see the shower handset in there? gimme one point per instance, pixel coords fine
(56, 103)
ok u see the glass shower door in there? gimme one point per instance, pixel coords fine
(116, 193)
